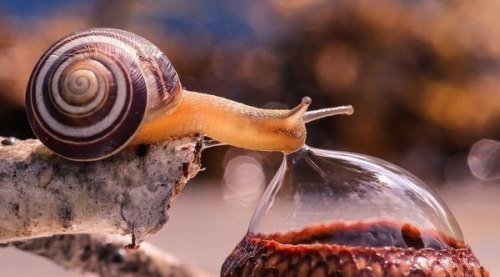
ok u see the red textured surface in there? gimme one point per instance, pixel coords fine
(265, 255)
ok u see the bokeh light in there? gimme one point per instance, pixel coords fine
(484, 159)
(244, 181)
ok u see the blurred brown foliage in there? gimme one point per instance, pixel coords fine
(423, 76)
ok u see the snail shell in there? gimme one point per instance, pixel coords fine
(91, 91)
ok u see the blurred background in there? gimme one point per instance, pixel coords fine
(423, 76)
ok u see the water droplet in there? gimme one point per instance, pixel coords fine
(345, 213)
(315, 186)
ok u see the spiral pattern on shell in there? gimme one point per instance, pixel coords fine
(91, 91)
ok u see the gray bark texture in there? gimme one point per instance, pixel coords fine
(42, 194)
(106, 255)
(67, 210)
(74, 212)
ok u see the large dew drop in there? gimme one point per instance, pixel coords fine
(330, 213)
(360, 200)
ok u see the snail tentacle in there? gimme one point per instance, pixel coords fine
(327, 112)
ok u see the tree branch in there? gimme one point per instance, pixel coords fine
(42, 194)
(107, 255)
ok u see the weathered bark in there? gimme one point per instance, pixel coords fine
(106, 255)
(42, 194)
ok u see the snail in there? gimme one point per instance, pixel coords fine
(99, 90)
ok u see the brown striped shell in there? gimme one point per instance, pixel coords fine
(91, 91)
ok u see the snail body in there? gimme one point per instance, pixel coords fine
(231, 122)
(96, 91)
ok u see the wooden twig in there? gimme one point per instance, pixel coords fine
(106, 255)
(42, 194)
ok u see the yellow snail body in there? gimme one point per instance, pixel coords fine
(96, 91)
